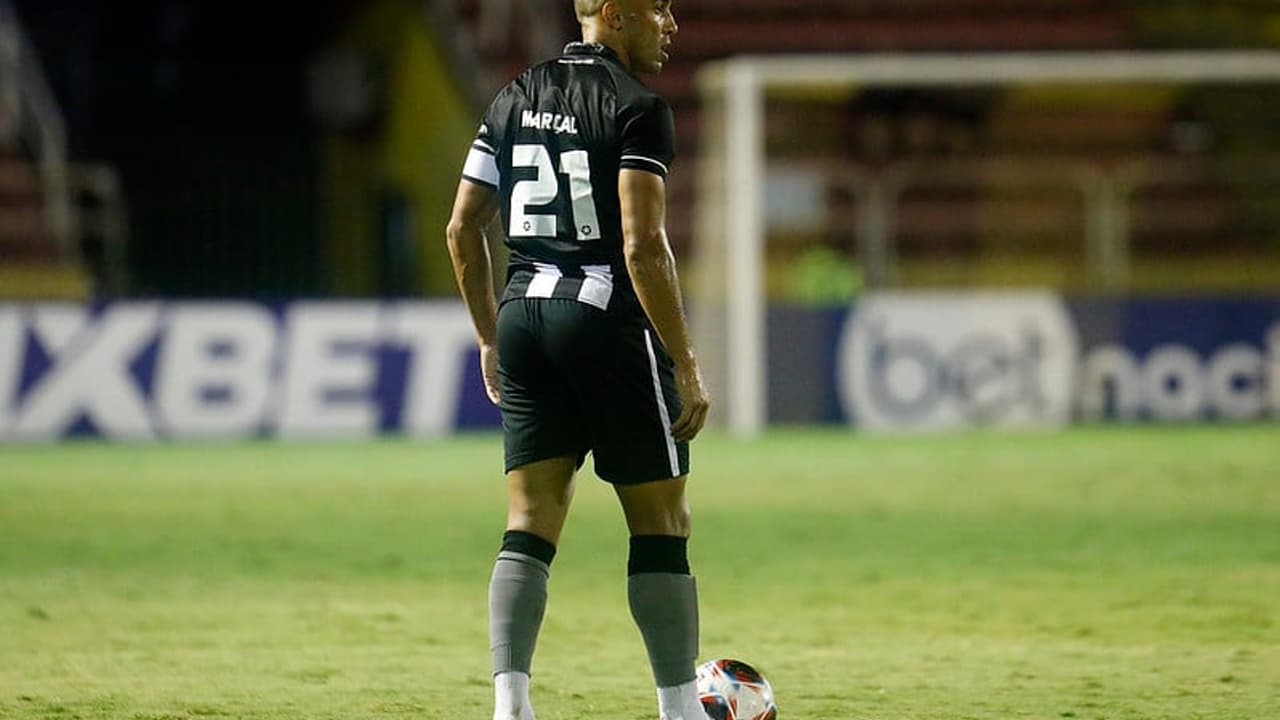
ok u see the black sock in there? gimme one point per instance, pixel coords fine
(658, 554)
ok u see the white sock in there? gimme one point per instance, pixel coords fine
(680, 702)
(511, 697)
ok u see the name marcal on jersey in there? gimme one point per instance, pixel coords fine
(554, 122)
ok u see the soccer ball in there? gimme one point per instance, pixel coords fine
(733, 690)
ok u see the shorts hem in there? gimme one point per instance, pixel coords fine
(517, 461)
(616, 479)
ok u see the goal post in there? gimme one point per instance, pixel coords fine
(728, 292)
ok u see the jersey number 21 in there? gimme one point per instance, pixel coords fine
(544, 189)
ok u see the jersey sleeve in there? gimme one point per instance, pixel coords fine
(481, 166)
(648, 137)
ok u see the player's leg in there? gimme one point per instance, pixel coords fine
(539, 495)
(662, 592)
(542, 449)
(634, 451)
(625, 387)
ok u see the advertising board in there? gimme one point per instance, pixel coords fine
(893, 362)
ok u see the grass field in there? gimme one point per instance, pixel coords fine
(1099, 573)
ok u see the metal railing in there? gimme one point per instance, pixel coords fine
(32, 118)
(103, 221)
(1106, 197)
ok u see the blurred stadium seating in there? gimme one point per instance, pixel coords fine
(24, 235)
(1188, 229)
(36, 252)
(234, 188)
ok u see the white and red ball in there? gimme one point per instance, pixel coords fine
(733, 690)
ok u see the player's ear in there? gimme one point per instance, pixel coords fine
(612, 14)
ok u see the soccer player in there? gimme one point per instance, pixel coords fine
(588, 349)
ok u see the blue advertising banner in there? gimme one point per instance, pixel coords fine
(893, 362)
(925, 361)
(140, 371)
(1178, 360)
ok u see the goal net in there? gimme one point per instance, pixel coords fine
(824, 177)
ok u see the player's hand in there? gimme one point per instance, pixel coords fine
(489, 368)
(694, 400)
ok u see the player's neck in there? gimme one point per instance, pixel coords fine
(601, 34)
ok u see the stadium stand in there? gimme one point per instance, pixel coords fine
(713, 29)
(1009, 228)
(24, 235)
(37, 256)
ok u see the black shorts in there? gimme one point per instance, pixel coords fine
(577, 379)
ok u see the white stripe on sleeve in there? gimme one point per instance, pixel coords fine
(481, 166)
(648, 160)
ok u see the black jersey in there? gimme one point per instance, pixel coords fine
(552, 144)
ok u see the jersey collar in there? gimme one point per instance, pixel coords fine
(597, 49)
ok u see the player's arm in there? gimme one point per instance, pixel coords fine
(652, 267)
(473, 207)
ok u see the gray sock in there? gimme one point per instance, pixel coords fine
(665, 608)
(517, 601)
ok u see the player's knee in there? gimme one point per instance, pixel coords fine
(545, 520)
(680, 521)
(659, 508)
(673, 520)
(541, 515)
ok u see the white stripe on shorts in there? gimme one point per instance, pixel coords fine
(544, 281)
(662, 407)
(597, 286)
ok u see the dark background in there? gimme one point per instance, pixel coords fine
(201, 107)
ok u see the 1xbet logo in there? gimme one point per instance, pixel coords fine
(143, 370)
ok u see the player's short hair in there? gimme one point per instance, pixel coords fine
(587, 8)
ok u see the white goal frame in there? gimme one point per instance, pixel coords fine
(730, 198)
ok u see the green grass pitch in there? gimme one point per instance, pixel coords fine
(1096, 573)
